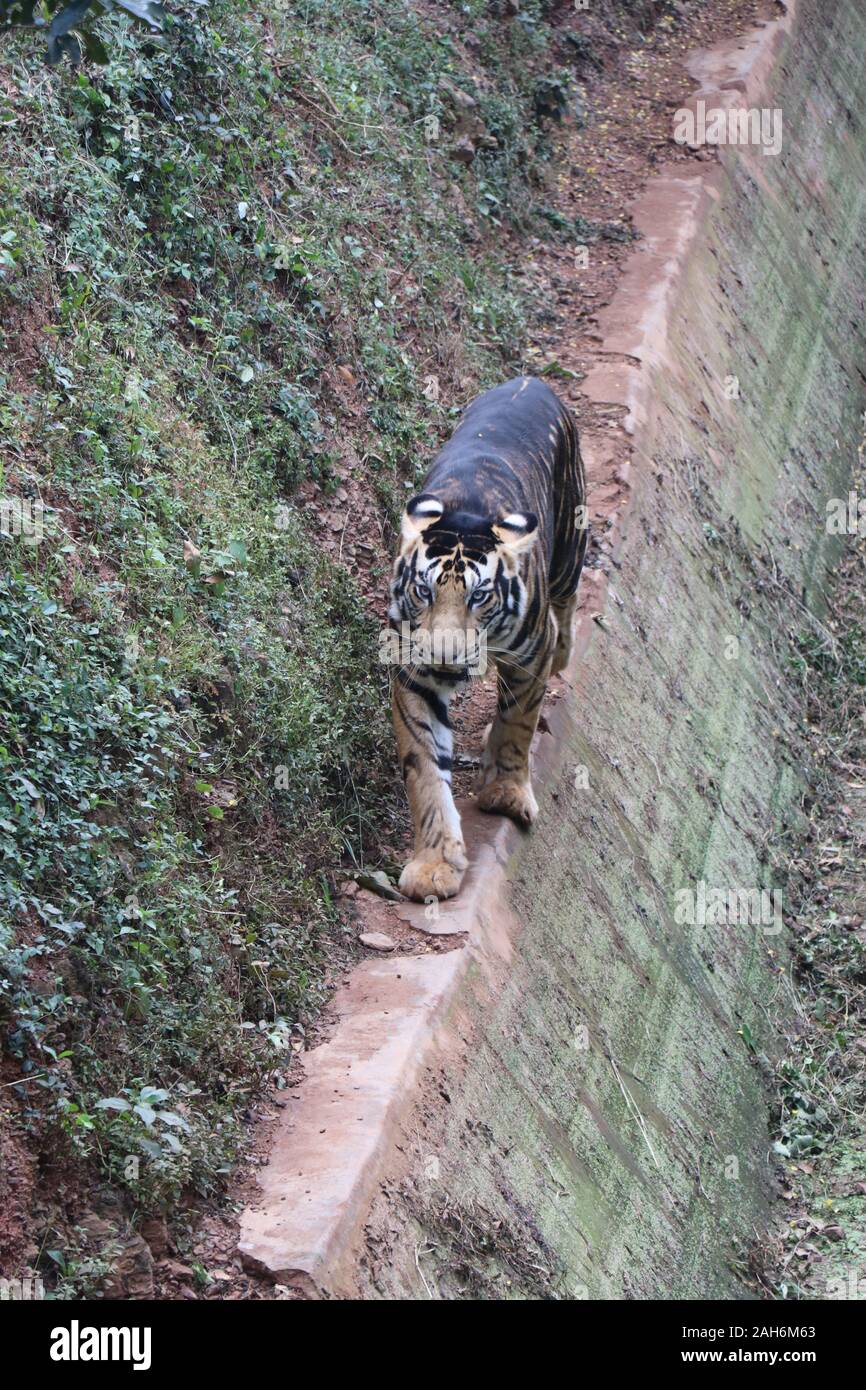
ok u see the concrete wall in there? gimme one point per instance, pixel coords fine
(636, 1165)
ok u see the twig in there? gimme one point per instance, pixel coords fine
(633, 1108)
(314, 105)
(421, 1273)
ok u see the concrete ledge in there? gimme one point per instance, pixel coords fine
(338, 1124)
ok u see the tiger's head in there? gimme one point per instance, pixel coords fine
(458, 576)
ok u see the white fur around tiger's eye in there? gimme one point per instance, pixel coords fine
(420, 513)
(516, 531)
(431, 506)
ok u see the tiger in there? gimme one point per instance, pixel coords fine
(490, 549)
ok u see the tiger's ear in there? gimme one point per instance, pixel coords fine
(516, 532)
(421, 512)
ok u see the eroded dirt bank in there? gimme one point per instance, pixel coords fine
(586, 1115)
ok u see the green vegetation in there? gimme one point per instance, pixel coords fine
(195, 239)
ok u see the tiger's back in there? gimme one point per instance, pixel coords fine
(493, 544)
(516, 448)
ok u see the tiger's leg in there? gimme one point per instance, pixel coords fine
(564, 615)
(504, 784)
(424, 743)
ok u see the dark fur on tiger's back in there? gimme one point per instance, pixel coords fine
(493, 544)
(516, 450)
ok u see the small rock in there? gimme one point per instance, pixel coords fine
(154, 1232)
(131, 1274)
(224, 688)
(459, 99)
(463, 150)
(191, 555)
(98, 1231)
(377, 941)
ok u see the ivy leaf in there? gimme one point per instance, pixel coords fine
(155, 1093)
(168, 1117)
(150, 11)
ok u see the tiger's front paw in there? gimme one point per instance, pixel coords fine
(505, 797)
(428, 875)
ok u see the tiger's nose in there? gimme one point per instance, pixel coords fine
(454, 646)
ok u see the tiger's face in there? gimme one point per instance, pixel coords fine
(457, 576)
